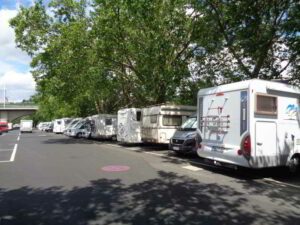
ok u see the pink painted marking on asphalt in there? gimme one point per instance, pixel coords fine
(115, 168)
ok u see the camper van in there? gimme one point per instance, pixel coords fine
(71, 124)
(129, 125)
(253, 124)
(104, 126)
(81, 129)
(60, 125)
(184, 139)
(159, 123)
(26, 126)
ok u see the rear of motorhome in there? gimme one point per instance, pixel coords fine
(104, 126)
(159, 123)
(60, 125)
(26, 126)
(252, 124)
(129, 125)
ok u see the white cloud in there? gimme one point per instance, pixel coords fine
(14, 64)
(8, 50)
(18, 86)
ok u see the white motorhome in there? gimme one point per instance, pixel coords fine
(59, 125)
(26, 126)
(103, 126)
(252, 124)
(159, 123)
(71, 125)
(129, 125)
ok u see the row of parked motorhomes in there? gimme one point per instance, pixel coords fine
(253, 124)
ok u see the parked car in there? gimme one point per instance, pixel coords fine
(3, 127)
(48, 127)
(184, 139)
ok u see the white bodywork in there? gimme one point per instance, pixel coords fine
(129, 125)
(79, 129)
(159, 123)
(72, 124)
(26, 125)
(265, 111)
(60, 125)
(103, 126)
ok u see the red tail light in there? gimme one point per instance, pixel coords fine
(246, 145)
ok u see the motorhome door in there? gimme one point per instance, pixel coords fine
(266, 143)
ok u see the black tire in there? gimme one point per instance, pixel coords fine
(294, 165)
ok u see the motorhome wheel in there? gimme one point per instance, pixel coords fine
(294, 164)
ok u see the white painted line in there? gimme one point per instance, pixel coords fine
(42, 135)
(281, 183)
(154, 153)
(18, 139)
(134, 148)
(114, 145)
(192, 168)
(13, 155)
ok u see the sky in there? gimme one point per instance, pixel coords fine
(14, 64)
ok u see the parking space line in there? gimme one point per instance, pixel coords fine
(192, 168)
(281, 183)
(134, 148)
(154, 153)
(13, 155)
(114, 145)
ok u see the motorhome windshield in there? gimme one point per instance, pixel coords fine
(78, 124)
(73, 123)
(191, 123)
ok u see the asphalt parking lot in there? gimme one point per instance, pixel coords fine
(53, 179)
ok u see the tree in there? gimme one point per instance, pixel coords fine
(257, 39)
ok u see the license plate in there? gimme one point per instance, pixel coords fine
(175, 148)
(216, 149)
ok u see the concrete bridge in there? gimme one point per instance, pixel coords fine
(12, 111)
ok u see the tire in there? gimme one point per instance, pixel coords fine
(294, 165)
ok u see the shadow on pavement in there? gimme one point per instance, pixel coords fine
(169, 199)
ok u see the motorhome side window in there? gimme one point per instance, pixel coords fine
(170, 120)
(108, 121)
(153, 119)
(138, 116)
(266, 104)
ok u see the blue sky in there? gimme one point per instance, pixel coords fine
(11, 4)
(14, 64)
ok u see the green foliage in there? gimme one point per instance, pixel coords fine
(97, 56)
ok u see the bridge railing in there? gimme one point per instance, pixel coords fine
(17, 105)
